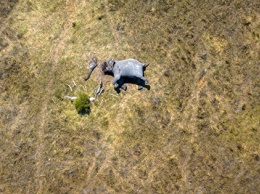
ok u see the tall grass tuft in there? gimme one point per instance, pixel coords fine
(82, 104)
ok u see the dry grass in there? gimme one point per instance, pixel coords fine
(195, 131)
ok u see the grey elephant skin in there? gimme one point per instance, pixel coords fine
(128, 70)
(92, 66)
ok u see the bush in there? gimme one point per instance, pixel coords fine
(82, 104)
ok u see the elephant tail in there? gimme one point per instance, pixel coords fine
(146, 65)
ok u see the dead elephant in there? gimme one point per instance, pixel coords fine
(128, 70)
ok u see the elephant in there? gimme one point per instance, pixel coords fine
(122, 71)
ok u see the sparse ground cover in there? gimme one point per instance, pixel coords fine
(195, 131)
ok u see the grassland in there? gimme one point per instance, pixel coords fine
(195, 131)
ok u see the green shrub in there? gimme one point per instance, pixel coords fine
(82, 104)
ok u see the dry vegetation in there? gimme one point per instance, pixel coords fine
(195, 131)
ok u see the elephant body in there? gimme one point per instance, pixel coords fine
(128, 68)
(122, 70)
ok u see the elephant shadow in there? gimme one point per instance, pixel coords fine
(135, 81)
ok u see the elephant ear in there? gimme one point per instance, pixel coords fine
(111, 62)
(104, 66)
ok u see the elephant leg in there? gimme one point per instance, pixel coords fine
(139, 83)
(122, 85)
(116, 79)
(144, 79)
(140, 87)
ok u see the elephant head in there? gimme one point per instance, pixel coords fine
(108, 66)
(92, 66)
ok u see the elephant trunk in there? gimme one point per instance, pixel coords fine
(92, 66)
(89, 73)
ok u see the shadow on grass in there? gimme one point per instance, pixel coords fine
(84, 112)
(136, 81)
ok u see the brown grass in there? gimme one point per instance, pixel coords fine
(195, 131)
